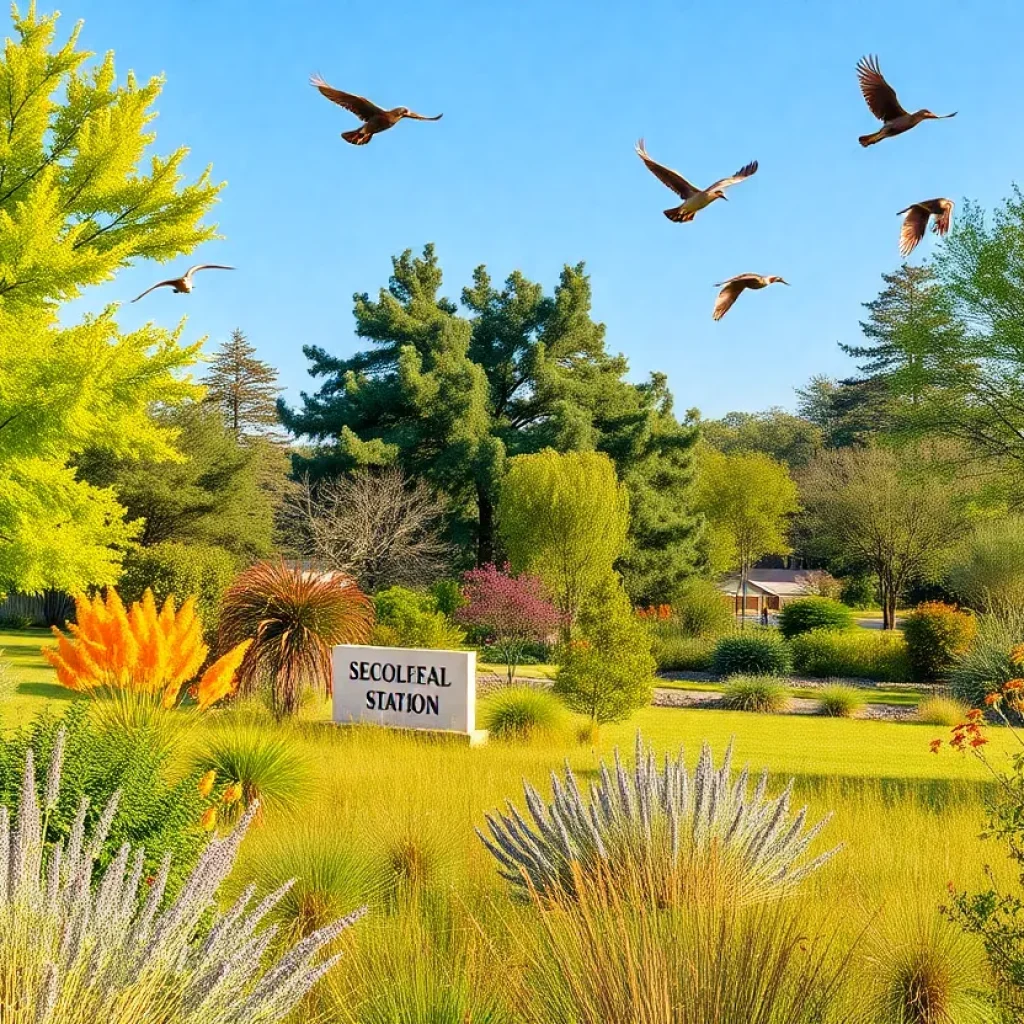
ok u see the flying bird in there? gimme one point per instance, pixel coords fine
(375, 119)
(732, 288)
(916, 222)
(183, 284)
(694, 199)
(883, 103)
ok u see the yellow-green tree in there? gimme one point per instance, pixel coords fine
(76, 205)
(564, 518)
(747, 499)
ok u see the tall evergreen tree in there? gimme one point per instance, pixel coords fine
(76, 205)
(450, 395)
(243, 387)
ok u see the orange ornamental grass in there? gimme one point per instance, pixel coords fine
(141, 650)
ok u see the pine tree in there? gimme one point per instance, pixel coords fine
(243, 387)
(451, 394)
(76, 206)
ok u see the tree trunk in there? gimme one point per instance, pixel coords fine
(485, 534)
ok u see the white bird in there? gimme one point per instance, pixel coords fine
(183, 285)
(732, 288)
(694, 199)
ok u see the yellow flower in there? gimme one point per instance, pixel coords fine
(206, 783)
(233, 793)
(219, 679)
(1017, 655)
(209, 819)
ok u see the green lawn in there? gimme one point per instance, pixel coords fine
(543, 671)
(27, 683)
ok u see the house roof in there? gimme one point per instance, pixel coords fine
(779, 582)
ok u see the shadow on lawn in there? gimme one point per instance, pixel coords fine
(52, 691)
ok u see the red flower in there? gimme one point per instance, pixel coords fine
(978, 741)
(935, 745)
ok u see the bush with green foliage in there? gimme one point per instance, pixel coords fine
(943, 711)
(937, 634)
(408, 618)
(807, 613)
(876, 654)
(987, 569)
(660, 824)
(16, 621)
(985, 666)
(522, 713)
(859, 592)
(180, 570)
(702, 610)
(838, 701)
(448, 596)
(121, 952)
(606, 671)
(753, 652)
(675, 652)
(763, 694)
(154, 813)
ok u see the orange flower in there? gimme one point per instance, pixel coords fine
(206, 783)
(1017, 655)
(974, 715)
(209, 819)
(993, 698)
(219, 679)
(978, 741)
(935, 745)
(1013, 685)
(233, 793)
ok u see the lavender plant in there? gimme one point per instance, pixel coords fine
(75, 948)
(666, 829)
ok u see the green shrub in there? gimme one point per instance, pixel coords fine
(755, 652)
(522, 713)
(985, 666)
(807, 613)
(261, 761)
(406, 618)
(944, 711)
(607, 671)
(448, 596)
(859, 592)
(764, 694)
(702, 610)
(16, 621)
(840, 701)
(937, 634)
(676, 653)
(153, 813)
(875, 654)
(181, 570)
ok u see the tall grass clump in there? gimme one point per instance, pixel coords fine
(807, 613)
(670, 827)
(875, 654)
(260, 761)
(837, 701)
(926, 972)
(674, 651)
(522, 713)
(601, 958)
(764, 694)
(754, 652)
(986, 666)
(117, 952)
(944, 711)
(293, 617)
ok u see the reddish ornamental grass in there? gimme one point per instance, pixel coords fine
(294, 617)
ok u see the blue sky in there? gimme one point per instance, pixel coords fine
(533, 164)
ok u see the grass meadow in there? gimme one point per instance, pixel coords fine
(387, 818)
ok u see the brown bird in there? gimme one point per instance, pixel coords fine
(694, 199)
(375, 118)
(883, 103)
(732, 288)
(916, 222)
(183, 284)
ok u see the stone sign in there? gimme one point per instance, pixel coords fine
(407, 688)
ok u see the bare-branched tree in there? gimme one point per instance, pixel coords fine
(380, 528)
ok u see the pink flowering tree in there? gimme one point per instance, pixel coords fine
(512, 610)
